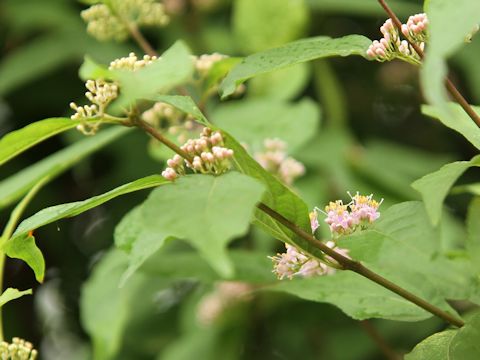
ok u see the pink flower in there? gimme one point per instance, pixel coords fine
(338, 217)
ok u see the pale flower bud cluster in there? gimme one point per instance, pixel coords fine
(209, 156)
(19, 349)
(100, 93)
(358, 214)
(131, 62)
(111, 21)
(205, 62)
(390, 46)
(275, 160)
(225, 295)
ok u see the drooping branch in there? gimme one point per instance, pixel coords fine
(454, 92)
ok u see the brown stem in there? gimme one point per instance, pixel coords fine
(345, 262)
(448, 83)
(389, 353)
(355, 266)
(140, 39)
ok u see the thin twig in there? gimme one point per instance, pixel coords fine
(377, 338)
(140, 39)
(448, 83)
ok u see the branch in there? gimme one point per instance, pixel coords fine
(448, 83)
(345, 262)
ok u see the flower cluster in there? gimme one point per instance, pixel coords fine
(100, 93)
(209, 156)
(18, 350)
(359, 213)
(112, 21)
(275, 160)
(204, 63)
(225, 295)
(131, 62)
(391, 46)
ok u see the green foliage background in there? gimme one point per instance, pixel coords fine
(358, 126)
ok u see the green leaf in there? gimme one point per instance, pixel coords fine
(473, 233)
(461, 344)
(54, 213)
(365, 8)
(272, 84)
(174, 68)
(207, 211)
(12, 294)
(17, 185)
(404, 234)
(355, 295)
(291, 54)
(253, 121)
(473, 189)
(460, 121)
(218, 71)
(434, 187)
(24, 248)
(251, 267)
(446, 37)
(183, 103)
(287, 21)
(90, 69)
(433, 347)
(20, 140)
(465, 345)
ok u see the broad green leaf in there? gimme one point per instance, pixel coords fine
(272, 84)
(54, 213)
(24, 248)
(461, 344)
(251, 267)
(434, 187)
(365, 8)
(433, 347)
(183, 103)
(473, 233)
(468, 188)
(287, 21)
(355, 295)
(252, 121)
(459, 121)
(465, 345)
(207, 211)
(446, 37)
(291, 54)
(20, 140)
(108, 310)
(174, 68)
(92, 70)
(12, 294)
(218, 71)
(403, 235)
(17, 185)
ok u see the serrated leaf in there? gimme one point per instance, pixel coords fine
(253, 121)
(445, 38)
(434, 187)
(291, 54)
(54, 213)
(355, 295)
(433, 347)
(24, 248)
(404, 234)
(287, 22)
(206, 211)
(460, 121)
(20, 140)
(12, 294)
(17, 185)
(174, 68)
